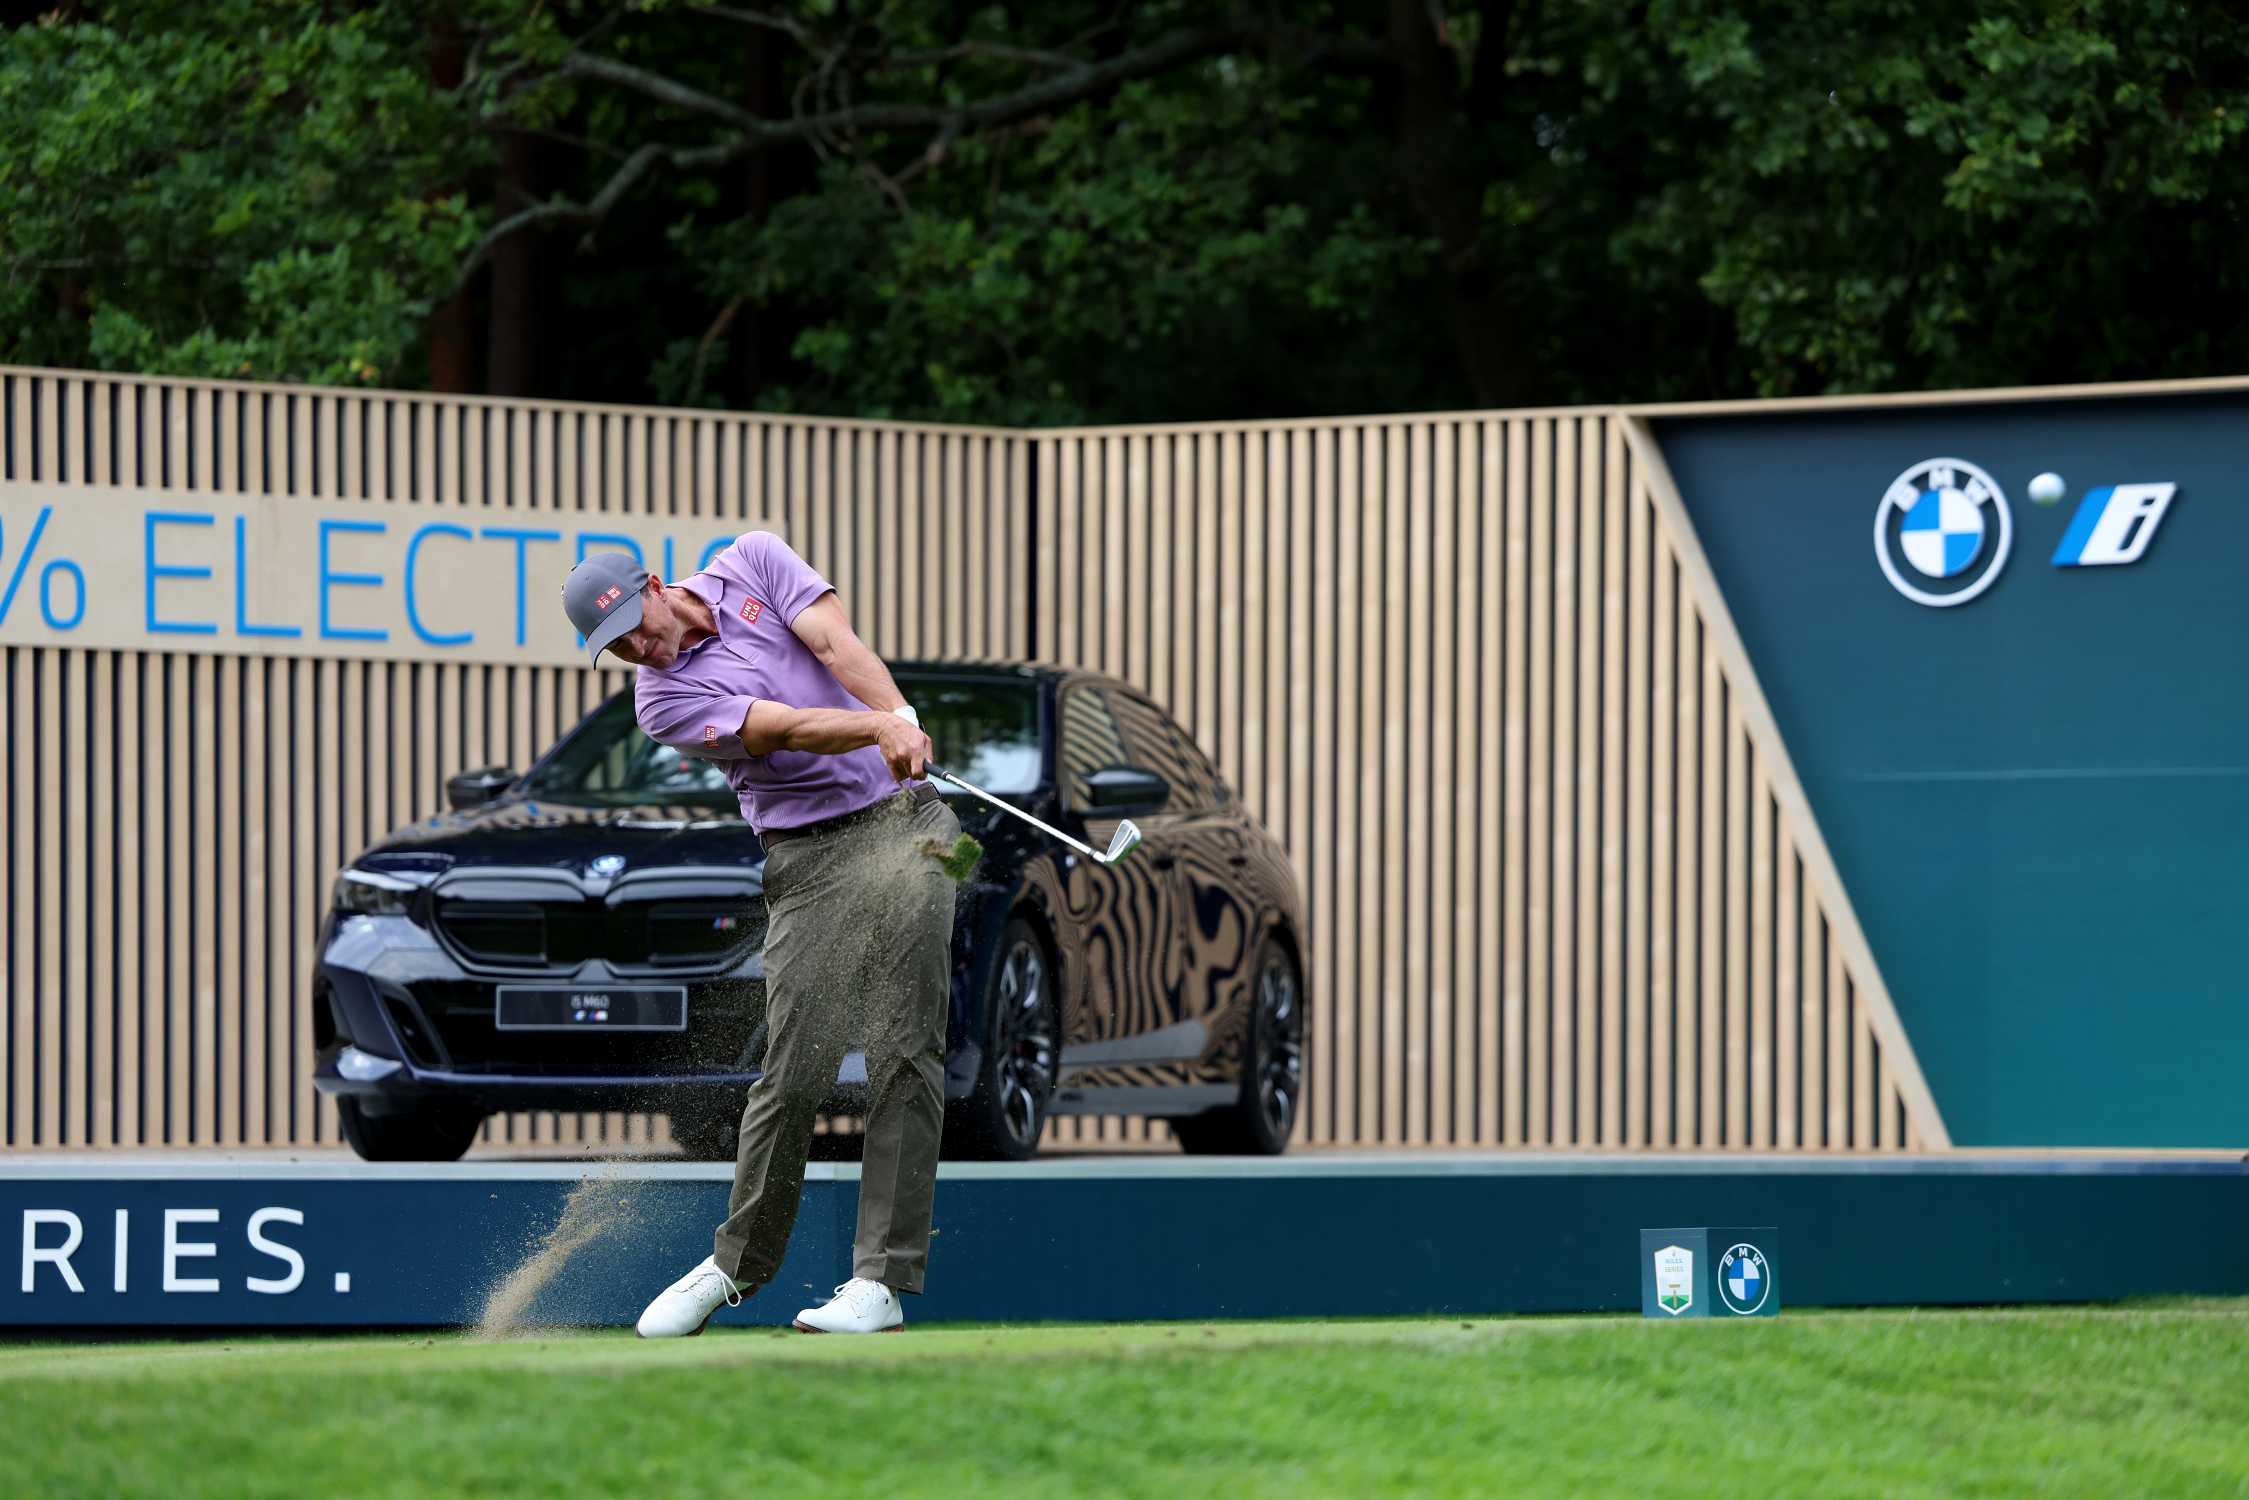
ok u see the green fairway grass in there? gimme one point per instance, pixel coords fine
(2142, 1400)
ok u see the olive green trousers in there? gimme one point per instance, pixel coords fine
(858, 952)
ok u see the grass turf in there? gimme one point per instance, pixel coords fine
(2140, 1400)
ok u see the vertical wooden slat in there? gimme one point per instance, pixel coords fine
(1760, 1065)
(1785, 1132)
(1512, 874)
(1614, 840)
(1420, 997)
(23, 909)
(1124, 511)
(1711, 990)
(259, 818)
(1663, 830)
(1496, 732)
(49, 896)
(308, 897)
(1812, 1111)
(72, 928)
(132, 995)
(1544, 762)
(1150, 659)
(1204, 591)
(1456, 915)
(1737, 927)
(1646, 710)
(1862, 1073)
(1296, 703)
(1311, 498)
(226, 996)
(168, 810)
(1390, 717)
(1573, 783)
(202, 794)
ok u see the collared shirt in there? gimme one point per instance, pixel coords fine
(756, 589)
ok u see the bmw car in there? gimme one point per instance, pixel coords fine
(589, 934)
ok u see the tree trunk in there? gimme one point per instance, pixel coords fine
(1447, 193)
(452, 353)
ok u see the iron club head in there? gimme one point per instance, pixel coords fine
(1123, 842)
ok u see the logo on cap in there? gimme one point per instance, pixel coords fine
(615, 593)
(751, 609)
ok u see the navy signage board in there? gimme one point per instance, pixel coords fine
(2006, 645)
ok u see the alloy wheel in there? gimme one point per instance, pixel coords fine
(1023, 1040)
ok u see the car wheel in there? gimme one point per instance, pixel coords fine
(1003, 1117)
(1260, 1121)
(432, 1133)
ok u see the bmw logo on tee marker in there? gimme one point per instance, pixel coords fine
(1942, 532)
(1743, 1279)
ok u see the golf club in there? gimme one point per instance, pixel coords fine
(1125, 840)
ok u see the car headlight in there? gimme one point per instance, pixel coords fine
(369, 893)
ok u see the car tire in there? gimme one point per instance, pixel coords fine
(1260, 1122)
(1005, 1114)
(429, 1134)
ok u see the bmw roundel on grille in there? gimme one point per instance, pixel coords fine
(605, 865)
(1942, 532)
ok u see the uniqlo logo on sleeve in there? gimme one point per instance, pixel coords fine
(751, 609)
(710, 734)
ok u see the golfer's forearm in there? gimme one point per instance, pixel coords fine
(822, 731)
(863, 675)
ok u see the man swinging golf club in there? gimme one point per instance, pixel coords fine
(753, 664)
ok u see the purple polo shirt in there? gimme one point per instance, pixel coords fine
(756, 589)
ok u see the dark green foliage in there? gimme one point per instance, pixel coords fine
(1313, 208)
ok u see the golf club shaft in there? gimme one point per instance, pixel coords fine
(1009, 807)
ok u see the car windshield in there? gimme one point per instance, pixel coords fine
(988, 732)
(607, 762)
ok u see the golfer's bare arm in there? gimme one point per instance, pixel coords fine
(770, 726)
(824, 627)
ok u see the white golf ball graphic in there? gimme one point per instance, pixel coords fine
(2047, 489)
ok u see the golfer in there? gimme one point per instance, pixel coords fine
(753, 664)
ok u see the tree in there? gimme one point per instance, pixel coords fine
(1130, 209)
(228, 188)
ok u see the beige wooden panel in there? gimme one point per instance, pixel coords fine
(1736, 927)
(1495, 793)
(1542, 758)
(1295, 706)
(71, 899)
(1785, 1129)
(1418, 997)
(1760, 1068)
(1662, 898)
(132, 928)
(1711, 996)
(1613, 838)
(1569, 766)
(1517, 817)
(1382, 476)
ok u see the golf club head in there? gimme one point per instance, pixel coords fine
(1123, 842)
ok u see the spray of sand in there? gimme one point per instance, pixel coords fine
(599, 1204)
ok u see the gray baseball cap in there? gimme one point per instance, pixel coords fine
(602, 598)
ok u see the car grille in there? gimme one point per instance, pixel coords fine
(449, 1024)
(676, 936)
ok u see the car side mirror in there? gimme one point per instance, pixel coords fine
(1126, 791)
(475, 788)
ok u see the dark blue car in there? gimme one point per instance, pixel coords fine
(588, 936)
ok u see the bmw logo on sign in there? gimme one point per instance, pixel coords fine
(607, 866)
(1743, 1279)
(1942, 532)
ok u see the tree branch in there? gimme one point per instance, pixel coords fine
(750, 134)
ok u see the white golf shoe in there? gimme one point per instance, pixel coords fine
(681, 1309)
(859, 1306)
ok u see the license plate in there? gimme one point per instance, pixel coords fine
(604, 1007)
